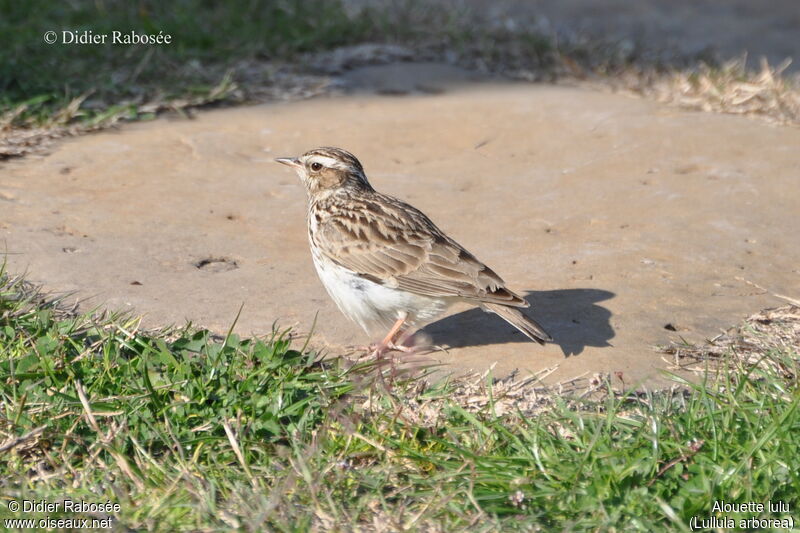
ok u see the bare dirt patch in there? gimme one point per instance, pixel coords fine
(615, 216)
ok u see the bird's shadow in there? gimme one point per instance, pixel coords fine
(571, 316)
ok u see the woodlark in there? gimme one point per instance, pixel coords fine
(384, 263)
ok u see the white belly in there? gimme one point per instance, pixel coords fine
(373, 306)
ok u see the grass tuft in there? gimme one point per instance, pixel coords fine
(191, 431)
(257, 50)
(729, 88)
(54, 90)
(203, 34)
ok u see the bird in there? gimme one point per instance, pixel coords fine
(384, 263)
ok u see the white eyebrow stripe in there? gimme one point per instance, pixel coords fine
(328, 162)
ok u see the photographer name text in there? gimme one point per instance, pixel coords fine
(25, 508)
(89, 37)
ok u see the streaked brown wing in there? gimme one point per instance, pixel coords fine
(391, 242)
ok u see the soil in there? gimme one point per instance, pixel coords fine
(626, 223)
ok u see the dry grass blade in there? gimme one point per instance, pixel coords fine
(694, 447)
(237, 450)
(122, 463)
(370, 442)
(728, 89)
(13, 442)
(771, 329)
(20, 139)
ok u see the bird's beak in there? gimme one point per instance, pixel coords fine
(289, 161)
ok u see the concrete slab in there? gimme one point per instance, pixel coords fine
(616, 216)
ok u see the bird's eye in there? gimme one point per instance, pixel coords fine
(316, 167)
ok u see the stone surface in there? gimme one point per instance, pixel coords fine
(626, 223)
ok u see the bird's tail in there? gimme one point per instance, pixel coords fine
(526, 325)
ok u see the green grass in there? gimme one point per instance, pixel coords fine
(242, 50)
(219, 51)
(191, 431)
(208, 38)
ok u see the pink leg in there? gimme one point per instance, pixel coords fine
(385, 345)
(388, 342)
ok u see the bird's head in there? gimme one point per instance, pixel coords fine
(327, 169)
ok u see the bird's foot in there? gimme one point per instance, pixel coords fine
(385, 361)
(377, 350)
(385, 365)
(402, 348)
